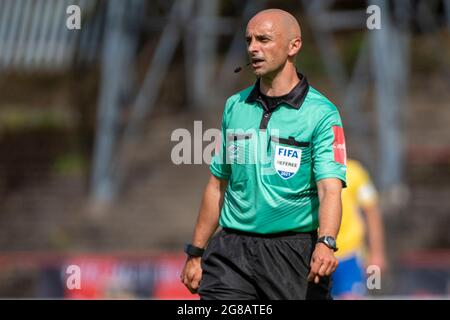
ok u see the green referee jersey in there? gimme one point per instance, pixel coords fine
(273, 159)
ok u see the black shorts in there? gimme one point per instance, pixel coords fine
(238, 265)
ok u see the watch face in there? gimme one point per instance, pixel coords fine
(331, 241)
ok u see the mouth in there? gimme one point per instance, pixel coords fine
(257, 62)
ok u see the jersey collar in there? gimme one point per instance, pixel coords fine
(294, 98)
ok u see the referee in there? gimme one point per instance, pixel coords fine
(276, 181)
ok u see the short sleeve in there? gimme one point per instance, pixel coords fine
(366, 191)
(329, 151)
(219, 167)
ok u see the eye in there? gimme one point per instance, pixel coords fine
(263, 39)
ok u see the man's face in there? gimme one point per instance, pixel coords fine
(267, 47)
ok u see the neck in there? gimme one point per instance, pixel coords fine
(280, 82)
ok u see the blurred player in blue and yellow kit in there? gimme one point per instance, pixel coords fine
(360, 213)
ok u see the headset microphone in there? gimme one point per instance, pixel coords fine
(239, 69)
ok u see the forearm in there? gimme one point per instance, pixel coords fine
(330, 209)
(208, 217)
(323, 261)
(375, 230)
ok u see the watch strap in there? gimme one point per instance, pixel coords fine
(324, 240)
(193, 251)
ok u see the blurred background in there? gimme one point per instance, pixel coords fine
(87, 116)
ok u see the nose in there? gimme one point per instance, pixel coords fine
(252, 47)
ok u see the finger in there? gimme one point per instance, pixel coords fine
(311, 276)
(316, 279)
(315, 265)
(331, 268)
(191, 276)
(196, 280)
(189, 286)
(192, 290)
(323, 268)
(186, 281)
(195, 285)
(321, 271)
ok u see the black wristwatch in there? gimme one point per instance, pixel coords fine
(193, 251)
(329, 241)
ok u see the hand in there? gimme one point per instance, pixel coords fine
(323, 262)
(192, 274)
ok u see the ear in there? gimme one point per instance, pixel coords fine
(294, 47)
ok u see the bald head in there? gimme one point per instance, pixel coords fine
(273, 40)
(282, 21)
